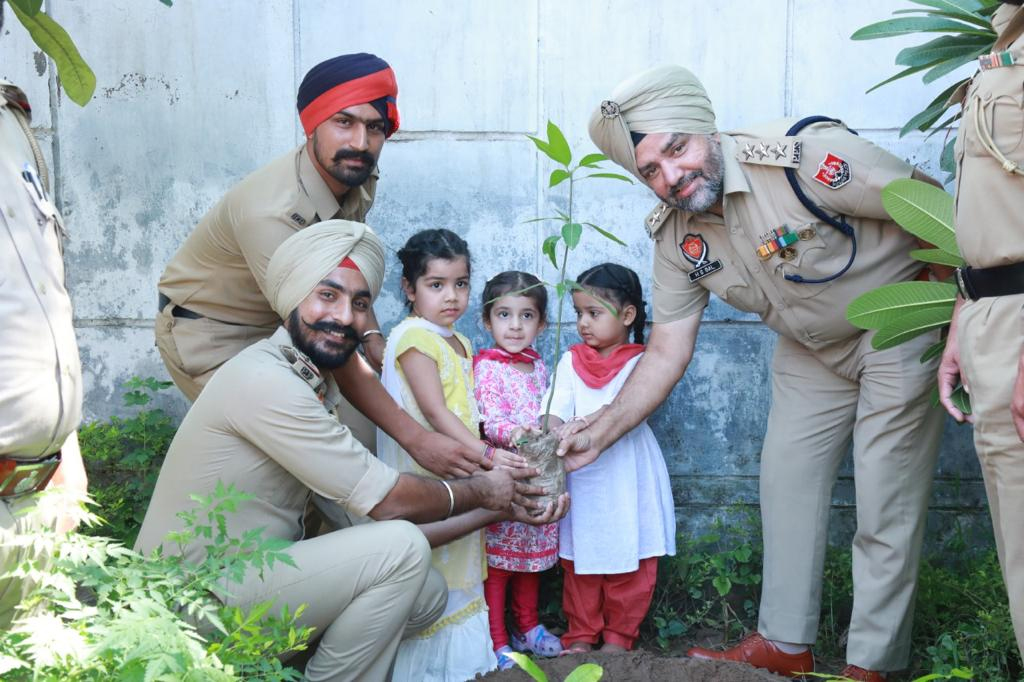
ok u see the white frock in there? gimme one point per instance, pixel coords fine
(622, 508)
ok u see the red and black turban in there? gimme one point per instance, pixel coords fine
(345, 81)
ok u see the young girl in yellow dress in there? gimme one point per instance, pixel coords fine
(428, 370)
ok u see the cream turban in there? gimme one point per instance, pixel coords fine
(309, 255)
(665, 99)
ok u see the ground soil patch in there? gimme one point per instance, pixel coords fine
(641, 666)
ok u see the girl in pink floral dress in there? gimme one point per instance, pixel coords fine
(510, 379)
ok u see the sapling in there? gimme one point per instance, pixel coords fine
(539, 448)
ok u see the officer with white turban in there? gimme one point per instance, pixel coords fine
(785, 220)
(265, 424)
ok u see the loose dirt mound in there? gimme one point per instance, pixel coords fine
(642, 667)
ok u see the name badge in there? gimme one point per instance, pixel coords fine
(695, 251)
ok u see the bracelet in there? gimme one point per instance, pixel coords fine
(488, 451)
(578, 418)
(369, 332)
(451, 498)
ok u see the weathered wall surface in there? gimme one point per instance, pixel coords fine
(192, 98)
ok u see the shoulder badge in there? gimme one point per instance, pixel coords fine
(833, 171)
(777, 151)
(305, 368)
(298, 219)
(655, 219)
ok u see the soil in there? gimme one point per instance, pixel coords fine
(640, 666)
(539, 451)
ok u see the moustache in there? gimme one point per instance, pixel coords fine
(342, 154)
(346, 331)
(684, 181)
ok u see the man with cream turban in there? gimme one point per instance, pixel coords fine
(730, 222)
(213, 293)
(265, 424)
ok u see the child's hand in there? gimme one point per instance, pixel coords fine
(537, 516)
(504, 458)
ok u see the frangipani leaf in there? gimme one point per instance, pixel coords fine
(961, 400)
(910, 325)
(939, 49)
(588, 672)
(29, 7)
(937, 256)
(953, 64)
(75, 75)
(933, 351)
(905, 25)
(891, 303)
(922, 210)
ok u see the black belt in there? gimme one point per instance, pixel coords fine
(26, 476)
(177, 310)
(1002, 280)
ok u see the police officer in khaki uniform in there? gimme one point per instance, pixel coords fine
(265, 424)
(40, 374)
(731, 223)
(986, 342)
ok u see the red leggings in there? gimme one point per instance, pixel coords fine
(607, 606)
(524, 588)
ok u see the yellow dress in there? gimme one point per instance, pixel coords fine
(458, 645)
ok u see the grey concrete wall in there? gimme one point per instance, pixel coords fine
(192, 98)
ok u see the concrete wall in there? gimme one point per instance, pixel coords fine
(192, 98)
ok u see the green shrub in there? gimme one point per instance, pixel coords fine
(103, 612)
(123, 457)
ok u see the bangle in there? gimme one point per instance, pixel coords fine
(488, 451)
(451, 499)
(370, 332)
(578, 418)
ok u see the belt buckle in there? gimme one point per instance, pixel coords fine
(18, 478)
(962, 286)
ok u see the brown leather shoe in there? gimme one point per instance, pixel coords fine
(761, 653)
(855, 672)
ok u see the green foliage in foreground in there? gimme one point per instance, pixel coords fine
(587, 672)
(102, 612)
(123, 457)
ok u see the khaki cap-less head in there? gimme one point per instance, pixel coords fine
(309, 255)
(665, 99)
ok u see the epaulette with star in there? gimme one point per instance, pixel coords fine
(304, 367)
(655, 219)
(783, 152)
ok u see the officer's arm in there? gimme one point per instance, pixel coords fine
(435, 452)
(665, 359)
(442, 532)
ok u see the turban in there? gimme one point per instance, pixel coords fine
(345, 81)
(309, 255)
(665, 99)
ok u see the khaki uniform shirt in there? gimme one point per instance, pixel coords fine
(219, 271)
(40, 372)
(850, 174)
(990, 201)
(266, 426)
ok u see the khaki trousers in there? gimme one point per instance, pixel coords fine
(820, 401)
(192, 350)
(365, 589)
(991, 334)
(13, 522)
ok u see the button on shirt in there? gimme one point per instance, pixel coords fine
(40, 371)
(219, 271)
(758, 199)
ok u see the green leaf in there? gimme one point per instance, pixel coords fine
(549, 248)
(924, 119)
(591, 160)
(891, 303)
(538, 220)
(905, 25)
(559, 147)
(937, 256)
(571, 233)
(75, 75)
(722, 584)
(605, 233)
(961, 400)
(528, 666)
(940, 49)
(947, 160)
(933, 351)
(911, 325)
(541, 145)
(967, 10)
(588, 672)
(559, 175)
(951, 65)
(29, 7)
(612, 176)
(923, 210)
(902, 74)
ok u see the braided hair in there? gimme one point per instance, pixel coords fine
(620, 286)
(426, 246)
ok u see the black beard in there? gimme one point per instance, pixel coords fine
(346, 176)
(327, 355)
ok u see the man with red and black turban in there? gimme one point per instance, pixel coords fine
(212, 295)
